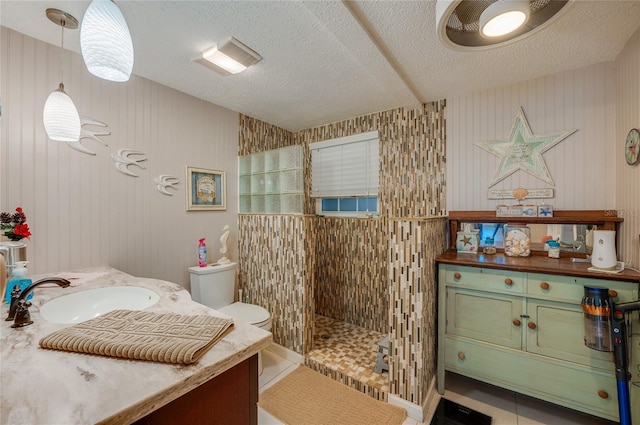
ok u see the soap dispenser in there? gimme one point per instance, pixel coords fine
(19, 278)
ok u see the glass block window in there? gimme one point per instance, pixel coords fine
(272, 182)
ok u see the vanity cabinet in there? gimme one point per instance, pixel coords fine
(511, 323)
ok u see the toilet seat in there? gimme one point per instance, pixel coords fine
(248, 313)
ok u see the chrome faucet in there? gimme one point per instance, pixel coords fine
(19, 309)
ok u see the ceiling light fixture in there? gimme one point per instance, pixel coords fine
(105, 41)
(60, 116)
(231, 57)
(460, 22)
(503, 17)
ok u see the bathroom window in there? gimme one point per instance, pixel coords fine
(353, 205)
(345, 174)
(272, 182)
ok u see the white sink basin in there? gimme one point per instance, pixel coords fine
(85, 305)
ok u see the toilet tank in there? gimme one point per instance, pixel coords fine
(213, 285)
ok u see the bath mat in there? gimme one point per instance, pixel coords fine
(306, 397)
(451, 413)
(139, 335)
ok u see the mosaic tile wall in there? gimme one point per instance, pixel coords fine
(351, 271)
(409, 140)
(276, 264)
(350, 281)
(413, 248)
(257, 136)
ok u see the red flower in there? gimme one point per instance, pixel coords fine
(22, 230)
(14, 226)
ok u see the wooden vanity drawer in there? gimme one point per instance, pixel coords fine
(559, 382)
(571, 289)
(485, 279)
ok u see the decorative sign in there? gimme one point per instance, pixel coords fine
(523, 151)
(206, 189)
(531, 193)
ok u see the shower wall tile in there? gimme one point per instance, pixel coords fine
(351, 271)
(352, 264)
(412, 155)
(276, 272)
(259, 136)
(414, 245)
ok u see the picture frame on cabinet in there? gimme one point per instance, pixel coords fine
(206, 189)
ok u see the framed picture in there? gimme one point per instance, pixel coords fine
(206, 189)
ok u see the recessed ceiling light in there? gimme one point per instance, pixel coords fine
(503, 17)
(229, 58)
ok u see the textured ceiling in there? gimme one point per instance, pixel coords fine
(326, 61)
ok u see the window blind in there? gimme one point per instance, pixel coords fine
(347, 166)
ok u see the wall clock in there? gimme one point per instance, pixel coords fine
(632, 147)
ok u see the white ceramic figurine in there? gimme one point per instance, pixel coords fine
(223, 243)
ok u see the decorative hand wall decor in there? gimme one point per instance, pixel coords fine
(123, 161)
(88, 134)
(164, 182)
(523, 151)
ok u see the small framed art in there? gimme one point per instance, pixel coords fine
(206, 189)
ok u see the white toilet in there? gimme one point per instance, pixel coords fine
(214, 286)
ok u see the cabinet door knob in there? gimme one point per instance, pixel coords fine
(603, 394)
(516, 322)
(531, 325)
(544, 285)
(457, 275)
(612, 293)
(461, 355)
(508, 281)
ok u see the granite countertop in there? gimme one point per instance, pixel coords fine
(41, 386)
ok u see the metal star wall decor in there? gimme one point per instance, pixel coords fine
(523, 151)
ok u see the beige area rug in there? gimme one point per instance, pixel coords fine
(306, 397)
(139, 335)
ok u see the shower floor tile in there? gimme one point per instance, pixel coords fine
(349, 350)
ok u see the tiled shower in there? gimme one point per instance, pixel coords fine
(336, 286)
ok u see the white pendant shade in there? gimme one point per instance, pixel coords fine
(105, 42)
(61, 119)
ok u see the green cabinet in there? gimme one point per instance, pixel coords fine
(524, 332)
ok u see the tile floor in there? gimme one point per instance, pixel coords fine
(350, 352)
(505, 407)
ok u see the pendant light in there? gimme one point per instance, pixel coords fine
(105, 41)
(60, 116)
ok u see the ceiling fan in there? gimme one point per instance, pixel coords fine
(484, 24)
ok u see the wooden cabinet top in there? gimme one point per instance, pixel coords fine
(534, 264)
(597, 217)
